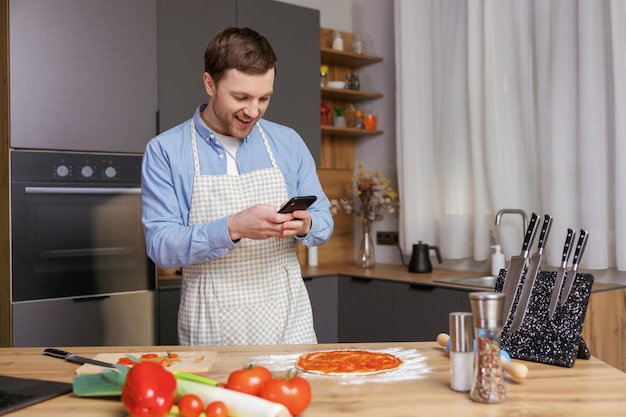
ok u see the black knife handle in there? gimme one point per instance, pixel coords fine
(567, 247)
(57, 353)
(530, 233)
(545, 230)
(580, 248)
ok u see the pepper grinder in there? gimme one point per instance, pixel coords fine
(461, 351)
(487, 308)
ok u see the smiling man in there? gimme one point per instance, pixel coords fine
(211, 188)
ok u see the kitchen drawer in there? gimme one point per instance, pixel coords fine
(421, 312)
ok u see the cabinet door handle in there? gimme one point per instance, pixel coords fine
(422, 288)
(361, 280)
(94, 298)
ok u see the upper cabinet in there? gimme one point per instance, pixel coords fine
(184, 30)
(341, 64)
(82, 74)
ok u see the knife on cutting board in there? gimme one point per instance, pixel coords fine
(516, 266)
(70, 357)
(571, 274)
(561, 272)
(531, 275)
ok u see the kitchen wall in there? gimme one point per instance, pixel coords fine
(373, 21)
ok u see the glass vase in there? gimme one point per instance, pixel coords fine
(366, 248)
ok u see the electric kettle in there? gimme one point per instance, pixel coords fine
(420, 259)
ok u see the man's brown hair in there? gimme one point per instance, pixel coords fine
(240, 48)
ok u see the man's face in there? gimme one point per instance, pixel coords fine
(238, 102)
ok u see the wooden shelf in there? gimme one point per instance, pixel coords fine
(347, 59)
(348, 131)
(345, 94)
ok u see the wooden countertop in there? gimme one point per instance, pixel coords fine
(590, 388)
(391, 272)
(400, 273)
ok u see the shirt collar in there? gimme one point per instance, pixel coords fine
(205, 132)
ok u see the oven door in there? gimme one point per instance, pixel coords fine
(77, 240)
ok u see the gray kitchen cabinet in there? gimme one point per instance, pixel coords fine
(184, 30)
(123, 319)
(465, 301)
(365, 310)
(421, 312)
(82, 74)
(169, 300)
(355, 309)
(324, 296)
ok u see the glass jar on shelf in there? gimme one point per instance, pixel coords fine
(337, 41)
(357, 45)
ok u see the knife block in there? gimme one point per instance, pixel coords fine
(558, 341)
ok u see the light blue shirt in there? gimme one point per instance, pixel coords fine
(167, 182)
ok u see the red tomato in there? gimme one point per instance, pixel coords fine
(291, 391)
(190, 405)
(249, 380)
(217, 409)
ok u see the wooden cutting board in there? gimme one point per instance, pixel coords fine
(187, 361)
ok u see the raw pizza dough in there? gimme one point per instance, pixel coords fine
(347, 362)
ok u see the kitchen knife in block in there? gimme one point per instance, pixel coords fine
(516, 267)
(571, 274)
(560, 273)
(531, 275)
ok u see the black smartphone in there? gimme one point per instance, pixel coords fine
(298, 203)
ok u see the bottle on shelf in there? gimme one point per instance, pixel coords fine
(323, 75)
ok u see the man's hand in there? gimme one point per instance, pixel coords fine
(262, 221)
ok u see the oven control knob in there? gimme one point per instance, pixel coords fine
(110, 172)
(63, 171)
(87, 171)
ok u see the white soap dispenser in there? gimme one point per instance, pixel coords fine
(497, 260)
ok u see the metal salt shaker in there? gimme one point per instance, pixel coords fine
(487, 308)
(461, 351)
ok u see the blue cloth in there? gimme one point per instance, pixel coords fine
(167, 182)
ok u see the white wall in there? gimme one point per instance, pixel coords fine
(372, 20)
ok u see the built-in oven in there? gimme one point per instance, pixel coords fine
(79, 270)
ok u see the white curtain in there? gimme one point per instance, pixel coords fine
(512, 104)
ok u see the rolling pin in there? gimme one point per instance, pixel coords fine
(516, 370)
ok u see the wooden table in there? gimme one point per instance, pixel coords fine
(590, 388)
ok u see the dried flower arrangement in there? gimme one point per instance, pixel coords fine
(374, 196)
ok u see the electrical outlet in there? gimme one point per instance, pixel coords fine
(387, 238)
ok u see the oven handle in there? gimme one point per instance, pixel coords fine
(80, 190)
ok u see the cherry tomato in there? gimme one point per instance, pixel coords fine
(190, 405)
(149, 356)
(291, 391)
(249, 380)
(126, 361)
(217, 409)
